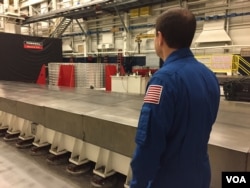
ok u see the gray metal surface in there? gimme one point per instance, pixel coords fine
(232, 127)
(225, 160)
(7, 105)
(109, 120)
(98, 117)
(230, 140)
(82, 113)
(86, 113)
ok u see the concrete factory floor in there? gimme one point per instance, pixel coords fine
(20, 169)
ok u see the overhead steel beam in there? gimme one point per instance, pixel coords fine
(123, 24)
(84, 32)
(74, 11)
(86, 11)
(61, 12)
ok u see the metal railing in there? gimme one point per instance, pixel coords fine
(244, 65)
(227, 64)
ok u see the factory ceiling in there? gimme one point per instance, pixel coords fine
(93, 10)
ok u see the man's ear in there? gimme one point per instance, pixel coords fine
(160, 38)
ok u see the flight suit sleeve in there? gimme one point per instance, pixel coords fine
(155, 120)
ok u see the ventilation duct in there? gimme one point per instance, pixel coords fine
(213, 29)
(66, 48)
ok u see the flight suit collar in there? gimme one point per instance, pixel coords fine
(178, 54)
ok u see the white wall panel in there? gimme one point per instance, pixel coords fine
(240, 36)
(10, 28)
(107, 38)
(238, 27)
(119, 43)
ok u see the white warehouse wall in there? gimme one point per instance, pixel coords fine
(239, 34)
(238, 28)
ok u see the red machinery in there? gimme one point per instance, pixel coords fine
(143, 70)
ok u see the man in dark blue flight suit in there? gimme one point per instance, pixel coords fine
(180, 107)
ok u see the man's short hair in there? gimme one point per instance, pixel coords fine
(177, 26)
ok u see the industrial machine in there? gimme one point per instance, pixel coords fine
(142, 36)
(144, 70)
(237, 90)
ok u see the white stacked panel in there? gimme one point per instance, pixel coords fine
(53, 71)
(94, 75)
(80, 75)
(86, 74)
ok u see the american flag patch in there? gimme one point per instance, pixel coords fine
(153, 94)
